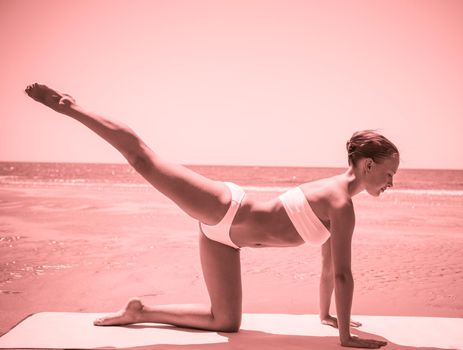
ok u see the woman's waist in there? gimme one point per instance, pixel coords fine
(245, 237)
(264, 224)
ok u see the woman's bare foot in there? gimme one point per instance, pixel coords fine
(131, 313)
(49, 97)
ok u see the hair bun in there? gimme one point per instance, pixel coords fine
(369, 144)
(350, 147)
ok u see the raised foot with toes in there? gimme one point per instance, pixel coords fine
(49, 97)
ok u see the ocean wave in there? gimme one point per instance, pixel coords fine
(437, 192)
(13, 180)
(417, 192)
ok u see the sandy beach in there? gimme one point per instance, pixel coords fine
(91, 248)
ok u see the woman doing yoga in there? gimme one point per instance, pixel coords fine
(319, 212)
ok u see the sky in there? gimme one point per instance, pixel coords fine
(236, 82)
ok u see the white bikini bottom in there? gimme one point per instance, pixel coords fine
(221, 231)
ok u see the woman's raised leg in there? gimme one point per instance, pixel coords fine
(222, 273)
(200, 197)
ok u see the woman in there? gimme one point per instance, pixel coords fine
(319, 212)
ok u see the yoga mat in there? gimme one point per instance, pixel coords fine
(64, 330)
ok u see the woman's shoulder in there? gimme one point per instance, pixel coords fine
(328, 191)
(333, 203)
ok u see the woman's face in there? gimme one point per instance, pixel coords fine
(379, 176)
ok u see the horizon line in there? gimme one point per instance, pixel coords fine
(222, 165)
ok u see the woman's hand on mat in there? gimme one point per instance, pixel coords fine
(356, 342)
(333, 322)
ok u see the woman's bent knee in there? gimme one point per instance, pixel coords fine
(229, 325)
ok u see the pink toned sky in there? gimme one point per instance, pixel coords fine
(238, 82)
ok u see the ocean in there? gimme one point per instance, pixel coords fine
(256, 178)
(89, 236)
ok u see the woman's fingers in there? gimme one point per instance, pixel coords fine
(375, 343)
(355, 342)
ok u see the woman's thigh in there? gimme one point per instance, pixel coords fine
(200, 197)
(222, 273)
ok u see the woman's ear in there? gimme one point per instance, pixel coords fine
(369, 163)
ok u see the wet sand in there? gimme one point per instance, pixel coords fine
(89, 249)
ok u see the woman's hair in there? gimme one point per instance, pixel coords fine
(369, 144)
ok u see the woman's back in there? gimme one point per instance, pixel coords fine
(263, 224)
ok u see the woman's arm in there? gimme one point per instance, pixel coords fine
(326, 284)
(327, 287)
(342, 220)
